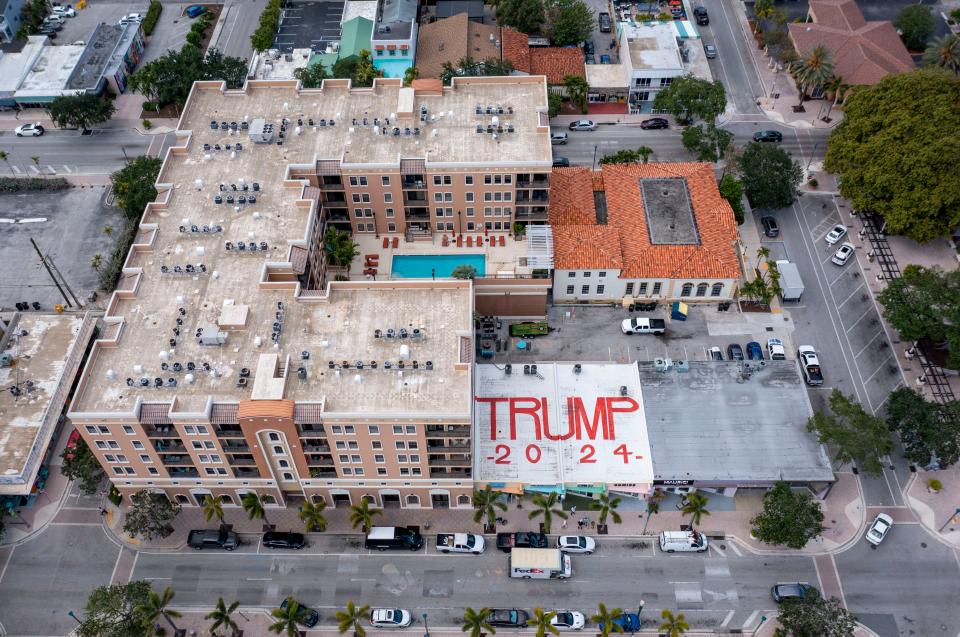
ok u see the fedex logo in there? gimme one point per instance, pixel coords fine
(580, 424)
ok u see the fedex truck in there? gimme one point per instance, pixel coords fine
(540, 564)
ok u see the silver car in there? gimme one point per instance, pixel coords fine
(843, 254)
(710, 50)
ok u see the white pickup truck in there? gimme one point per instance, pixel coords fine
(643, 326)
(460, 543)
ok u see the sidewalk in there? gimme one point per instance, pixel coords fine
(937, 511)
(127, 115)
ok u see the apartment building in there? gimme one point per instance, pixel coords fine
(228, 361)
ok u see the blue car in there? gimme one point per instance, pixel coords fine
(629, 622)
(195, 10)
(754, 351)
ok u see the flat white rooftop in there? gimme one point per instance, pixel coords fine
(560, 426)
(51, 70)
(652, 46)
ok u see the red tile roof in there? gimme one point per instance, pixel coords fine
(556, 63)
(575, 247)
(863, 52)
(516, 49)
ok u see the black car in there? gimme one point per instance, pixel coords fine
(654, 122)
(606, 25)
(561, 162)
(305, 615)
(770, 227)
(768, 136)
(508, 617)
(281, 540)
(588, 47)
(734, 352)
(700, 13)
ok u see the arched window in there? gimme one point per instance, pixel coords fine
(369, 499)
(702, 289)
(413, 500)
(717, 289)
(463, 500)
(268, 499)
(687, 289)
(226, 499)
(318, 499)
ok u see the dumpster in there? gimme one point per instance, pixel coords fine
(678, 311)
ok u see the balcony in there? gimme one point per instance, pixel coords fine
(184, 472)
(176, 461)
(246, 461)
(333, 184)
(417, 214)
(414, 198)
(229, 431)
(448, 431)
(440, 461)
(161, 431)
(314, 448)
(338, 217)
(320, 461)
(413, 182)
(246, 473)
(538, 196)
(536, 181)
(449, 474)
(236, 447)
(322, 473)
(170, 446)
(311, 431)
(456, 447)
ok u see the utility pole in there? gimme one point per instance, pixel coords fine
(64, 280)
(43, 260)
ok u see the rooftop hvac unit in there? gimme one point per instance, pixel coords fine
(261, 131)
(213, 338)
(663, 364)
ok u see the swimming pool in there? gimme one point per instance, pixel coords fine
(393, 68)
(422, 266)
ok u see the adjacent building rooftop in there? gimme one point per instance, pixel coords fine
(395, 19)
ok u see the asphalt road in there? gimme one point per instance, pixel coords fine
(70, 152)
(733, 65)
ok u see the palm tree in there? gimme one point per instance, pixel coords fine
(673, 625)
(222, 616)
(475, 622)
(340, 248)
(254, 506)
(696, 507)
(286, 618)
(577, 89)
(545, 507)
(607, 506)
(410, 75)
(604, 619)
(362, 515)
(212, 507)
(486, 503)
(96, 262)
(762, 253)
(814, 70)
(645, 152)
(353, 617)
(5, 156)
(156, 607)
(311, 515)
(944, 52)
(653, 506)
(839, 90)
(541, 620)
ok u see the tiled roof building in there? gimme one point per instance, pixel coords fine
(453, 38)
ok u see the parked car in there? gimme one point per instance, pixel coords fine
(65, 11)
(195, 10)
(568, 620)
(283, 540)
(561, 162)
(734, 352)
(508, 617)
(305, 615)
(770, 226)
(583, 124)
(54, 18)
(710, 51)
(775, 350)
(506, 542)
(559, 138)
(590, 59)
(700, 13)
(715, 354)
(50, 32)
(843, 254)
(754, 351)
(588, 47)
(768, 136)
(130, 18)
(797, 590)
(200, 539)
(654, 123)
(460, 543)
(629, 622)
(604, 59)
(390, 618)
(810, 365)
(879, 529)
(606, 25)
(576, 544)
(838, 232)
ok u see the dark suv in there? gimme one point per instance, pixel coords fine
(700, 13)
(768, 136)
(770, 227)
(281, 540)
(606, 26)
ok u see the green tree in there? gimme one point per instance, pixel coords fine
(352, 617)
(311, 76)
(708, 142)
(696, 507)
(311, 514)
(788, 517)
(286, 618)
(623, 156)
(80, 111)
(928, 430)
(857, 436)
(944, 52)
(31, 16)
(673, 625)
(769, 175)
(96, 261)
(813, 616)
(222, 615)
(554, 103)
(149, 515)
(915, 24)
(762, 8)
(526, 16)
(464, 271)
(157, 606)
(212, 507)
(732, 190)
(607, 506)
(410, 75)
(80, 464)
(604, 619)
(340, 248)
(362, 515)
(263, 36)
(814, 70)
(468, 67)
(169, 78)
(653, 506)
(690, 96)
(344, 68)
(475, 622)
(577, 89)
(365, 72)
(115, 610)
(253, 505)
(886, 145)
(5, 156)
(572, 22)
(925, 303)
(546, 506)
(542, 622)
(486, 503)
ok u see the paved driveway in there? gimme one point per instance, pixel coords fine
(309, 25)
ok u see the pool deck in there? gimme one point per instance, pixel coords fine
(501, 262)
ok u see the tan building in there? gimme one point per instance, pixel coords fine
(231, 363)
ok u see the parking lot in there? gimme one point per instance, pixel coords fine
(310, 25)
(601, 40)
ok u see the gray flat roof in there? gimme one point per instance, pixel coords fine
(669, 211)
(710, 425)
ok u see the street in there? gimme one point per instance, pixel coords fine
(66, 152)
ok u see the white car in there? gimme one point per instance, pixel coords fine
(130, 17)
(460, 543)
(843, 254)
(67, 12)
(583, 124)
(838, 232)
(567, 620)
(390, 618)
(29, 130)
(810, 365)
(54, 19)
(879, 529)
(576, 544)
(775, 350)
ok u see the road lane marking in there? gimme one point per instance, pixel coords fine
(116, 564)
(727, 619)
(153, 579)
(261, 579)
(7, 563)
(733, 547)
(859, 287)
(751, 618)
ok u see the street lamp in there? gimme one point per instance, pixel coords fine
(639, 613)
(426, 628)
(70, 612)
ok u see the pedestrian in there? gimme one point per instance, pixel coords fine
(563, 524)
(103, 511)
(579, 525)
(573, 510)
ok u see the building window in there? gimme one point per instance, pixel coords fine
(391, 227)
(274, 437)
(411, 429)
(469, 197)
(190, 430)
(717, 289)
(356, 459)
(488, 196)
(602, 273)
(337, 429)
(203, 457)
(197, 444)
(388, 197)
(349, 430)
(121, 458)
(109, 457)
(656, 288)
(379, 458)
(358, 213)
(586, 274)
(278, 450)
(629, 289)
(353, 444)
(702, 289)
(287, 476)
(358, 471)
(468, 180)
(471, 226)
(344, 458)
(91, 430)
(643, 81)
(381, 471)
(470, 212)
(643, 289)
(414, 458)
(127, 429)
(401, 444)
(413, 444)
(153, 471)
(145, 458)
(101, 444)
(283, 464)
(384, 180)
(569, 289)
(398, 430)
(215, 458)
(373, 430)
(137, 444)
(687, 289)
(209, 444)
(448, 197)
(404, 471)
(488, 179)
(402, 458)
(347, 471)
(376, 444)
(113, 444)
(585, 289)
(389, 213)
(118, 471)
(417, 471)
(600, 289)
(341, 444)
(129, 471)
(358, 181)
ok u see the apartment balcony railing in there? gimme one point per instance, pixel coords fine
(449, 431)
(241, 462)
(451, 448)
(229, 431)
(184, 472)
(161, 431)
(176, 461)
(236, 447)
(173, 446)
(450, 473)
(449, 462)
(242, 472)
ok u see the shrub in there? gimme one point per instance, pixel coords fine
(150, 106)
(26, 184)
(110, 271)
(813, 183)
(147, 124)
(262, 38)
(934, 485)
(153, 16)
(114, 495)
(193, 38)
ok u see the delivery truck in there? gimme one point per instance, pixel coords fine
(540, 564)
(791, 285)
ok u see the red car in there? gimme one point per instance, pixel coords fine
(72, 443)
(655, 122)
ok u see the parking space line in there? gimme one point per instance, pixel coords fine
(868, 344)
(849, 297)
(879, 367)
(843, 272)
(867, 312)
(750, 619)
(727, 619)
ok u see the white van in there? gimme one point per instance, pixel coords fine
(671, 541)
